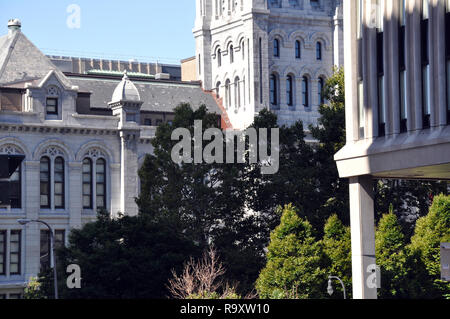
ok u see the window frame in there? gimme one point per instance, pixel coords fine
(320, 87)
(319, 51)
(19, 188)
(273, 89)
(19, 252)
(55, 182)
(48, 188)
(90, 183)
(104, 202)
(290, 90)
(3, 243)
(276, 48)
(298, 50)
(305, 91)
(47, 106)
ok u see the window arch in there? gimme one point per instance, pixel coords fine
(318, 50)
(305, 91)
(276, 48)
(320, 86)
(290, 90)
(273, 90)
(298, 51)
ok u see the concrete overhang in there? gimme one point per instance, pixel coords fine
(423, 154)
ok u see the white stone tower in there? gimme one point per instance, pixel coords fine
(256, 54)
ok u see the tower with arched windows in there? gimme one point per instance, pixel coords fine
(274, 54)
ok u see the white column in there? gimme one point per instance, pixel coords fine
(74, 186)
(129, 169)
(363, 236)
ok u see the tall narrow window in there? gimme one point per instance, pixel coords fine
(199, 65)
(305, 91)
(45, 246)
(14, 252)
(243, 49)
(289, 90)
(227, 94)
(231, 54)
(298, 52)
(218, 90)
(426, 104)
(237, 93)
(276, 48)
(45, 182)
(59, 182)
(320, 86)
(380, 71)
(273, 90)
(219, 57)
(319, 50)
(101, 184)
(2, 252)
(402, 68)
(87, 183)
(15, 188)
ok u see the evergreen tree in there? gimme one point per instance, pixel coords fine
(337, 247)
(295, 261)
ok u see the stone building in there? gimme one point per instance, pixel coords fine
(79, 138)
(397, 70)
(274, 54)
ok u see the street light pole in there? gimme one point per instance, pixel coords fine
(52, 248)
(330, 286)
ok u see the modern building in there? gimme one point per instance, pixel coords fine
(77, 138)
(273, 54)
(397, 68)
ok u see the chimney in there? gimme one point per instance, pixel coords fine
(14, 25)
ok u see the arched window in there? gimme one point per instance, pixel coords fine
(289, 90)
(218, 89)
(276, 48)
(231, 54)
(237, 93)
(87, 183)
(298, 52)
(219, 57)
(100, 183)
(305, 91)
(320, 86)
(318, 50)
(227, 93)
(58, 182)
(243, 49)
(45, 182)
(273, 90)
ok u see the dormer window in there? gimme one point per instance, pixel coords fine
(51, 106)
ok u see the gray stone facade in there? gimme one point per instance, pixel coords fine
(235, 47)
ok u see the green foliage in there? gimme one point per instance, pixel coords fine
(295, 261)
(33, 290)
(337, 247)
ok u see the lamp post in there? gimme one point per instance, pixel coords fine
(330, 285)
(52, 248)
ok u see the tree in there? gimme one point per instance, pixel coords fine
(337, 247)
(430, 231)
(295, 261)
(123, 258)
(392, 257)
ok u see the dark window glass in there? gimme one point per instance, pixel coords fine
(276, 48)
(305, 91)
(219, 57)
(100, 171)
(319, 51)
(45, 246)
(298, 52)
(15, 184)
(289, 90)
(14, 252)
(320, 86)
(87, 183)
(273, 90)
(45, 182)
(425, 67)
(381, 104)
(59, 182)
(2, 252)
(231, 54)
(148, 122)
(52, 105)
(402, 78)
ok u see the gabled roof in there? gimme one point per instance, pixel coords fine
(22, 62)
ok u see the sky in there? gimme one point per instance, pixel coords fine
(145, 30)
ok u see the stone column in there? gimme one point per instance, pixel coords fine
(75, 194)
(129, 168)
(363, 237)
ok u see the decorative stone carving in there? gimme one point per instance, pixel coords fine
(10, 149)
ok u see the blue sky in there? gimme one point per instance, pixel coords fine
(147, 30)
